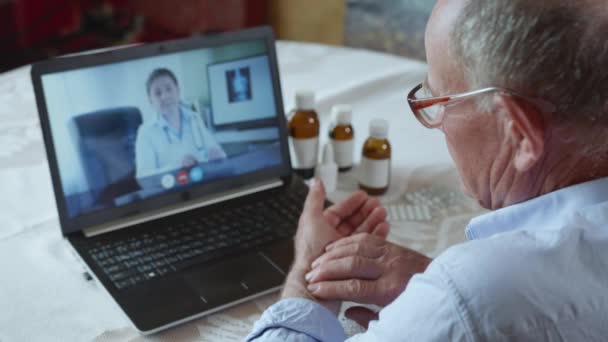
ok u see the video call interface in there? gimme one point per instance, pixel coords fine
(134, 130)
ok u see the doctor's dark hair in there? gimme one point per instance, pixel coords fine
(159, 73)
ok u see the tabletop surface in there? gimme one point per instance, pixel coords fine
(42, 290)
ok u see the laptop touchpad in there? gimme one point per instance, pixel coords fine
(234, 278)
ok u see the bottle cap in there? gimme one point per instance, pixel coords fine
(378, 128)
(343, 114)
(305, 100)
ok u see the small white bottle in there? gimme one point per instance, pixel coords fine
(303, 128)
(327, 170)
(342, 136)
(375, 167)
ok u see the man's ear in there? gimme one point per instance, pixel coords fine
(525, 128)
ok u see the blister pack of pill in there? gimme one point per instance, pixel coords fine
(350, 327)
(405, 212)
(426, 204)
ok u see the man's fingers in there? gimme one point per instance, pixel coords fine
(359, 216)
(361, 315)
(356, 238)
(345, 268)
(381, 230)
(348, 224)
(377, 216)
(315, 199)
(361, 249)
(351, 223)
(346, 208)
(355, 214)
(354, 290)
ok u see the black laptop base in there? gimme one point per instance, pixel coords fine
(176, 268)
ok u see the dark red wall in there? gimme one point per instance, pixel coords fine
(37, 29)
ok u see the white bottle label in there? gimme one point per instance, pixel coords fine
(374, 173)
(343, 152)
(303, 152)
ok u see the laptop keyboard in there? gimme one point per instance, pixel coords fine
(179, 246)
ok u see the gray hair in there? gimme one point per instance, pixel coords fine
(553, 50)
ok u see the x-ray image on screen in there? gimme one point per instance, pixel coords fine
(238, 82)
(241, 90)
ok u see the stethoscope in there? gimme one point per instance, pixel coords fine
(196, 130)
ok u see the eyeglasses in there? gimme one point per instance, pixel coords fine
(429, 109)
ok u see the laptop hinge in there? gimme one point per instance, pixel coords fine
(178, 208)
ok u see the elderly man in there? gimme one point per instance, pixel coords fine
(519, 88)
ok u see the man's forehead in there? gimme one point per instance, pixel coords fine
(445, 12)
(437, 39)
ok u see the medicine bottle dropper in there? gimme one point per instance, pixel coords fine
(375, 168)
(342, 136)
(303, 130)
(327, 170)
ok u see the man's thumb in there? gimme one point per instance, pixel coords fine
(361, 315)
(316, 198)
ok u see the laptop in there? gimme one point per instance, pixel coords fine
(171, 172)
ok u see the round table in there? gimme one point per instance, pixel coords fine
(42, 290)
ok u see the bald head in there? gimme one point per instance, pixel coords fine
(442, 19)
(437, 39)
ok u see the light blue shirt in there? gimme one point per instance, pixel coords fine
(161, 148)
(533, 271)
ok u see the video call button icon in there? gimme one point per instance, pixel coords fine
(167, 181)
(182, 177)
(196, 174)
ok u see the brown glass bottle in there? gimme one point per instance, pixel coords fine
(303, 130)
(342, 137)
(375, 167)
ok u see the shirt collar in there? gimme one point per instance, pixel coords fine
(539, 211)
(185, 116)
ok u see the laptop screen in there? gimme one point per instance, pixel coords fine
(131, 131)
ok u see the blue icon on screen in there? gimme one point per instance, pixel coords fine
(196, 174)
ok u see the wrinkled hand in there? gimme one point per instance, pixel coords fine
(364, 268)
(189, 161)
(318, 227)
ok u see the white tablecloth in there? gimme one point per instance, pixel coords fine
(43, 295)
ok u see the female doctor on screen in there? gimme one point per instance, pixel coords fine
(177, 138)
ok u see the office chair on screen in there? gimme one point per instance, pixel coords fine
(107, 151)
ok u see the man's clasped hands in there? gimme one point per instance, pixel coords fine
(341, 253)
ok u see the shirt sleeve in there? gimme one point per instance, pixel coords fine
(297, 319)
(430, 309)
